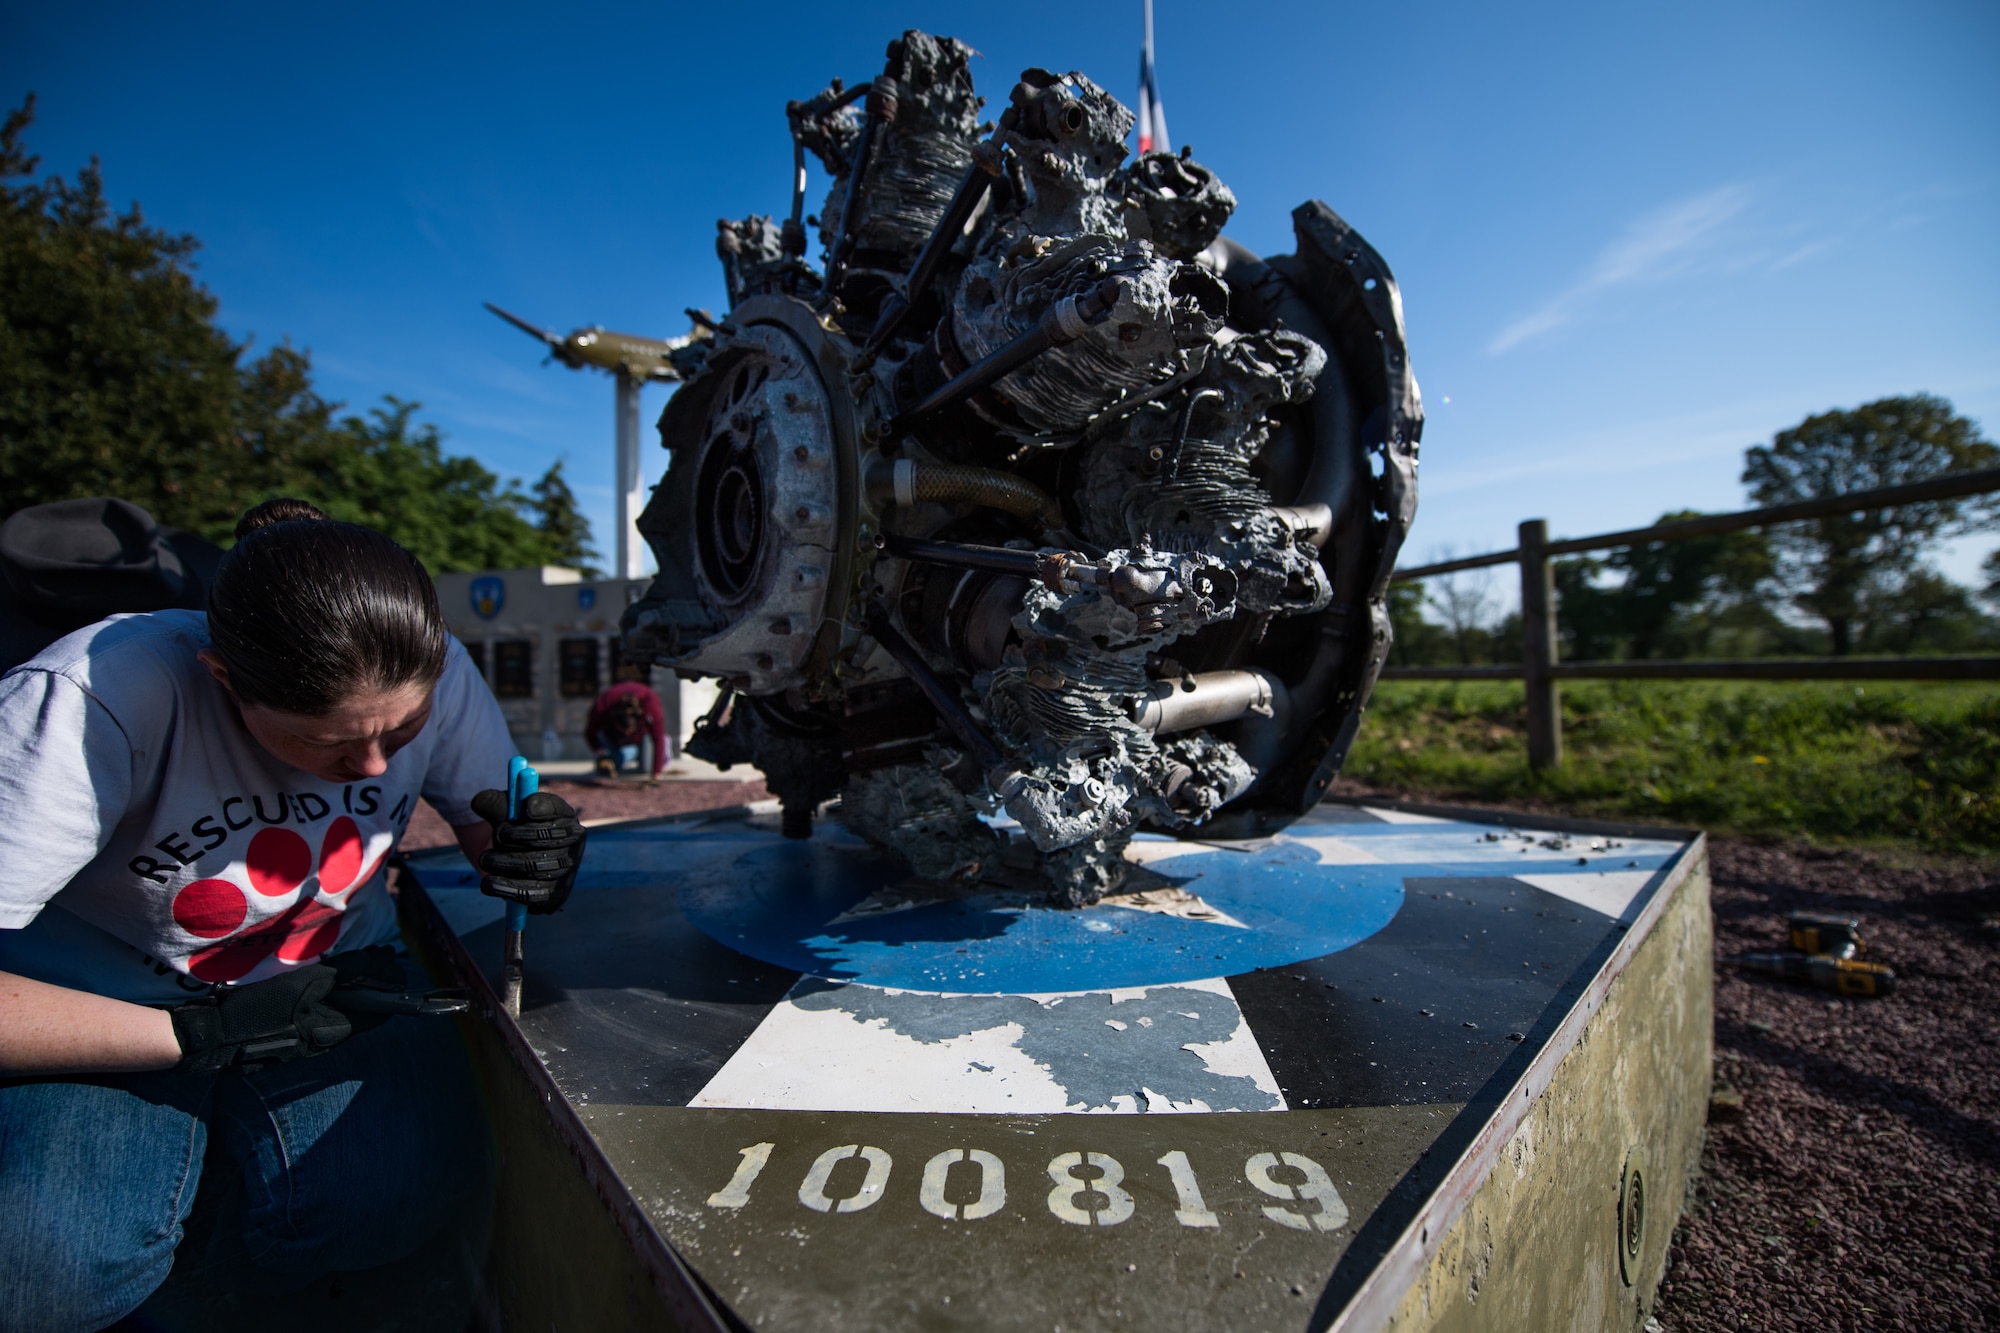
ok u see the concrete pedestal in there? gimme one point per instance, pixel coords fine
(1394, 1068)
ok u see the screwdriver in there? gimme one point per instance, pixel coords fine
(522, 782)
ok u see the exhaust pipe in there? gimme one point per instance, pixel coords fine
(1215, 697)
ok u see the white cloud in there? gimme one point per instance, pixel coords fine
(1666, 243)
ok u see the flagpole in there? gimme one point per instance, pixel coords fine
(1152, 118)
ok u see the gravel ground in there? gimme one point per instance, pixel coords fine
(1858, 1184)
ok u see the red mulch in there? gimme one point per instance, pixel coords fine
(626, 798)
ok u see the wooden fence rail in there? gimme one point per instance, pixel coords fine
(1540, 668)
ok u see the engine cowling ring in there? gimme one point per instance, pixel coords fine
(763, 528)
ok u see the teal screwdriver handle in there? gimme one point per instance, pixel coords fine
(522, 782)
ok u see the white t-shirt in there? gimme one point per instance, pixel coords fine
(178, 851)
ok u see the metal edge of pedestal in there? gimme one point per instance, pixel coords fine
(687, 1298)
(1374, 1299)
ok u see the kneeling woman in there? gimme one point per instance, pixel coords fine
(194, 815)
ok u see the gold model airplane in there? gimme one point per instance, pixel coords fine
(623, 354)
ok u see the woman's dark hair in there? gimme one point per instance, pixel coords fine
(305, 611)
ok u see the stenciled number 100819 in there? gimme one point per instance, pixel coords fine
(1088, 1188)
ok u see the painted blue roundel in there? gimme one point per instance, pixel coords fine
(818, 906)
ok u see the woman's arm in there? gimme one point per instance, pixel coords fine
(48, 1029)
(656, 718)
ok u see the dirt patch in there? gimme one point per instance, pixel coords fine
(1858, 1185)
(594, 800)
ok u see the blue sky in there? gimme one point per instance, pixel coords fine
(1632, 240)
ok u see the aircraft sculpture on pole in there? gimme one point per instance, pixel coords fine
(631, 361)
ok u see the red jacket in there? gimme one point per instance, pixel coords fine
(614, 721)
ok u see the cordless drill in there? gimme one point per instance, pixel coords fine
(1824, 949)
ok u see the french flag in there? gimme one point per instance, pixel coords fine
(1152, 111)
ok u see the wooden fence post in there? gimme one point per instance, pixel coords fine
(1538, 646)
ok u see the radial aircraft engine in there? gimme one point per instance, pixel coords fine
(1040, 514)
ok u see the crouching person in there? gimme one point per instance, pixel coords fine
(198, 951)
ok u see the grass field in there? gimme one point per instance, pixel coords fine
(1916, 764)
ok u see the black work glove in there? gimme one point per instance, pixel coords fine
(535, 854)
(265, 1022)
(373, 968)
(373, 988)
(370, 983)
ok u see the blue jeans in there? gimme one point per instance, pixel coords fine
(348, 1160)
(622, 754)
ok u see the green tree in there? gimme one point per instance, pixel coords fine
(1835, 568)
(565, 531)
(113, 376)
(1417, 642)
(1928, 614)
(1588, 614)
(1667, 590)
(114, 380)
(391, 473)
(1465, 606)
(1451, 620)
